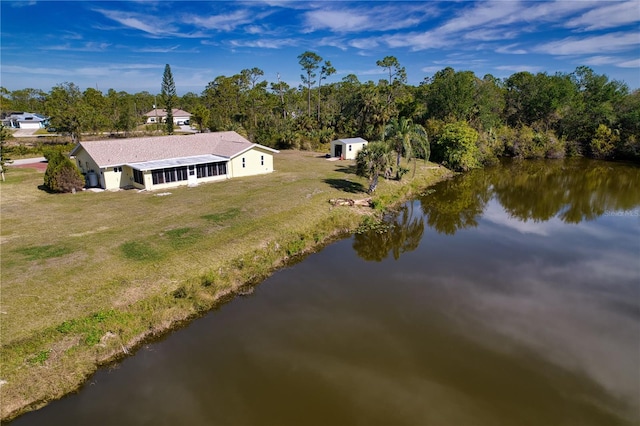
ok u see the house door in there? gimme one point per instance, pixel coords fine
(338, 152)
(192, 179)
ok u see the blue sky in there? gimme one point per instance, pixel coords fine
(125, 45)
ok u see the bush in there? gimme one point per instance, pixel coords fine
(528, 143)
(61, 174)
(457, 147)
(603, 142)
(491, 147)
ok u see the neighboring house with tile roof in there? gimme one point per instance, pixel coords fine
(159, 115)
(347, 148)
(167, 161)
(25, 120)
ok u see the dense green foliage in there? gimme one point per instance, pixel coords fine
(407, 139)
(373, 160)
(456, 147)
(525, 115)
(61, 174)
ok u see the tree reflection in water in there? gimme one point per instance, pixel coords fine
(401, 232)
(571, 190)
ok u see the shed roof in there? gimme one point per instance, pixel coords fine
(349, 141)
(117, 152)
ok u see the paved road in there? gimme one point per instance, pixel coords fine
(23, 161)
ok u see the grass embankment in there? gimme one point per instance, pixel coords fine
(86, 277)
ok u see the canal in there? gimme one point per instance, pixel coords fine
(504, 296)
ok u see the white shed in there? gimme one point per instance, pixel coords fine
(347, 148)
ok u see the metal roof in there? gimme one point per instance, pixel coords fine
(348, 141)
(177, 162)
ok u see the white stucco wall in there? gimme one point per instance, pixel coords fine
(253, 162)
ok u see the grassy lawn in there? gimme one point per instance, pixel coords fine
(85, 277)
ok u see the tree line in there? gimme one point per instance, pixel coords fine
(464, 121)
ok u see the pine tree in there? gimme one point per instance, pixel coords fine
(168, 96)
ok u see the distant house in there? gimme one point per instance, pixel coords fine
(167, 161)
(160, 116)
(25, 120)
(347, 148)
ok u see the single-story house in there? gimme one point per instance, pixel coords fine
(158, 115)
(162, 162)
(347, 148)
(26, 120)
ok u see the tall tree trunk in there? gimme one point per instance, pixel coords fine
(374, 183)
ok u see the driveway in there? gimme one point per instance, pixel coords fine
(24, 133)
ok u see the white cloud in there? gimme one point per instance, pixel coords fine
(340, 21)
(365, 43)
(144, 23)
(490, 34)
(634, 63)
(158, 49)
(511, 49)
(555, 11)
(600, 60)
(609, 15)
(520, 68)
(84, 47)
(225, 22)
(16, 69)
(431, 70)
(22, 3)
(614, 42)
(367, 18)
(264, 44)
(491, 12)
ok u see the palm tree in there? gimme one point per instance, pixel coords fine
(372, 160)
(408, 139)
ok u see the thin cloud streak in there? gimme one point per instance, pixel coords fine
(611, 15)
(608, 43)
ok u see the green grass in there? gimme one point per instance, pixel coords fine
(136, 250)
(86, 276)
(223, 216)
(44, 252)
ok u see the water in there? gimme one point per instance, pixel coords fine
(507, 296)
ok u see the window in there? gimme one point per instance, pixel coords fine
(117, 169)
(262, 160)
(157, 176)
(243, 163)
(182, 173)
(349, 147)
(211, 169)
(138, 177)
(173, 174)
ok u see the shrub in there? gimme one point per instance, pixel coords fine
(457, 147)
(61, 174)
(526, 142)
(491, 147)
(604, 142)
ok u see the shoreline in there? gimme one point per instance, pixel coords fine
(118, 333)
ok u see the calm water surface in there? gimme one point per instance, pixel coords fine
(508, 296)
